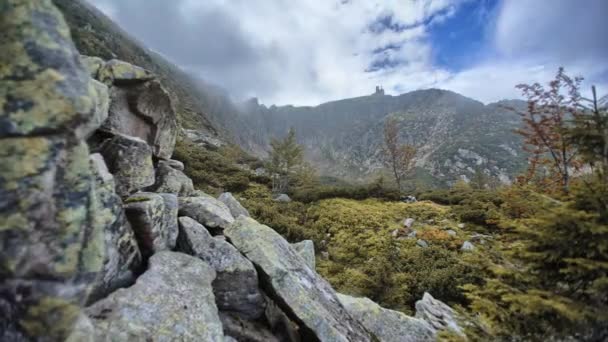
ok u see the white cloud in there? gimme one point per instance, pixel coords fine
(307, 52)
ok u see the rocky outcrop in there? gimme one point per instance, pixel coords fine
(307, 297)
(140, 107)
(437, 314)
(172, 300)
(306, 249)
(154, 220)
(206, 210)
(236, 285)
(129, 159)
(170, 179)
(122, 256)
(236, 209)
(77, 230)
(52, 248)
(387, 325)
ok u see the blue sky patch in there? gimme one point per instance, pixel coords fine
(460, 40)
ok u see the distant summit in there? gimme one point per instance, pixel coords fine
(379, 91)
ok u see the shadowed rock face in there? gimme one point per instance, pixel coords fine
(236, 286)
(122, 257)
(304, 294)
(52, 247)
(154, 221)
(129, 159)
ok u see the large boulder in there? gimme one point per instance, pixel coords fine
(139, 107)
(171, 180)
(122, 73)
(129, 159)
(387, 325)
(236, 209)
(122, 257)
(301, 292)
(52, 249)
(154, 220)
(236, 285)
(44, 88)
(206, 210)
(438, 314)
(172, 301)
(306, 249)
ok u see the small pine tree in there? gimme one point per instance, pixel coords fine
(286, 156)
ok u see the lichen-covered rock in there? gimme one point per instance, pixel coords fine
(172, 301)
(129, 159)
(437, 314)
(236, 209)
(206, 210)
(387, 325)
(82, 331)
(236, 285)
(43, 87)
(144, 110)
(119, 72)
(301, 292)
(122, 258)
(173, 181)
(306, 249)
(51, 248)
(92, 64)
(154, 221)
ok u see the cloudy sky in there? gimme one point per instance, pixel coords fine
(306, 52)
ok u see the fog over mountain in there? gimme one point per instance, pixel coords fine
(306, 53)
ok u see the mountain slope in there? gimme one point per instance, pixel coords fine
(199, 105)
(456, 136)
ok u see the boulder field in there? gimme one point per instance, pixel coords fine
(103, 236)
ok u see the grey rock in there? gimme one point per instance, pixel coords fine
(246, 330)
(284, 198)
(236, 209)
(437, 314)
(116, 72)
(281, 325)
(306, 249)
(206, 210)
(422, 243)
(412, 234)
(461, 225)
(92, 64)
(129, 159)
(122, 257)
(408, 222)
(176, 164)
(173, 181)
(306, 294)
(451, 232)
(140, 108)
(82, 331)
(172, 301)
(467, 246)
(236, 286)
(387, 325)
(154, 221)
(52, 248)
